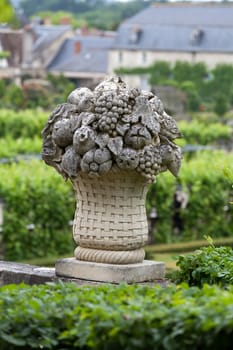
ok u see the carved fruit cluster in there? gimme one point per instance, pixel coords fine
(111, 127)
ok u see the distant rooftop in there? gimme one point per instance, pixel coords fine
(82, 54)
(204, 14)
(46, 34)
(179, 27)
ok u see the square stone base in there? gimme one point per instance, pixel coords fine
(148, 271)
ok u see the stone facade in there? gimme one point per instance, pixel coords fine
(138, 58)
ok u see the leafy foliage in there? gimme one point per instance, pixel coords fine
(201, 133)
(202, 85)
(101, 14)
(57, 17)
(26, 124)
(15, 96)
(207, 265)
(6, 12)
(220, 106)
(10, 147)
(115, 317)
(33, 94)
(34, 194)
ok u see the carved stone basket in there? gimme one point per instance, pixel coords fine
(110, 223)
(111, 143)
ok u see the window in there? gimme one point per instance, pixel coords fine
(120, 56)
(144, 57)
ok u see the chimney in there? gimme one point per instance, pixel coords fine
(47, 21)
(77, 47)
(65, 21)
(84, 31)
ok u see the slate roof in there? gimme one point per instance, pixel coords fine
(46, 34)
(171, 28)
(93, 55)
(186, 14)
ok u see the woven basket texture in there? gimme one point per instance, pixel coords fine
(110, 213)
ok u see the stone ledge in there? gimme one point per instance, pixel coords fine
(16, 273)
(147, 271)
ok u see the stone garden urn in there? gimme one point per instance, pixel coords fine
(111, 143)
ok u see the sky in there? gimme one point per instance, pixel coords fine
(16, 2)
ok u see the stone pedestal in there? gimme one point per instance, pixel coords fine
(147, 271)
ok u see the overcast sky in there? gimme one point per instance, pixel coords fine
(15, 2)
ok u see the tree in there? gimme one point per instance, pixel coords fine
(221, 105)
(15, 96)
(7, 14)
(160, 72)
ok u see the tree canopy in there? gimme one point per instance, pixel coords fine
(101, 14)
(6, 12)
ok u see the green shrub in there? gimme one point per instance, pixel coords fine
(35, 194)
(15, 97)
(25, 123)
(2, 87)
(115, 317)
(208, 210)
(10, 147)
(202, 86)
(207, 265)
(194, 99)
(221, 105)
(197, 132)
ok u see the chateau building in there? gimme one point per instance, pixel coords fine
(193, 32)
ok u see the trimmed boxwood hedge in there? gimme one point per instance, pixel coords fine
(115, 317)
(24, 123)
(35, 194)
(200, 133)
(10, 147)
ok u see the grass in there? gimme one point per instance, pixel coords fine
(186, 246)
(167, 253)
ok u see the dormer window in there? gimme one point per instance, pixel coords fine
(197, 36)
(135, 35)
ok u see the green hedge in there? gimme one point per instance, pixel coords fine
(25, 123)
(29, 123)
(196, 132)
(115, 317)
(209, 191)
(10, 147)
(35, 194)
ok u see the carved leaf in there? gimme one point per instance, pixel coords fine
(122, 128)
(115, 145)
(75, 121)
(152, 124)
(87, 118)
(102, 140)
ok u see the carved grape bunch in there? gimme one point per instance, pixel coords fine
(112, 127)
